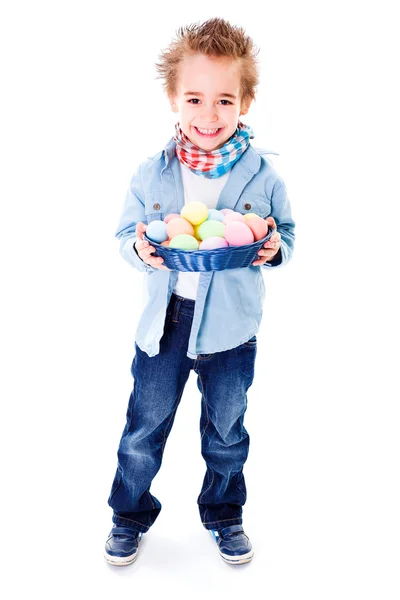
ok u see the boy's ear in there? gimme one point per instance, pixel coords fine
(174, 107)
(246, 106)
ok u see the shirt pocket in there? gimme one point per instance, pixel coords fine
(158, 205)
(154, 206)
(253, 203)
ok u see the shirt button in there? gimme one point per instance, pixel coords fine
(156, 206)
(247, 206)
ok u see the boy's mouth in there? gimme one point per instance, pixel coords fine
(208, 133)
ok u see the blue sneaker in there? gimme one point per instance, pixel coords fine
(233, 544)
(121, 547)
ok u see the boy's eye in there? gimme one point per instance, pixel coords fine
(199, 100)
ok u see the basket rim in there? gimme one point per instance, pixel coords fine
(271, 230)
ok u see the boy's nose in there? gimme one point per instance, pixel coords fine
(209, 115)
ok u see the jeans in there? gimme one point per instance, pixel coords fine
(223, 380)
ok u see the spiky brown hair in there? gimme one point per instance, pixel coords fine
(217, 38)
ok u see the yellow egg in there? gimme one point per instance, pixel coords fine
(249, 216)
(196, 230)
(195, 212)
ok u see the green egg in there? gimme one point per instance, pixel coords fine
(183, 241)
(211, 228)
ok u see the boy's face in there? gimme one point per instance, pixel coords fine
(208, 97)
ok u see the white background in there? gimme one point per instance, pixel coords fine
(80, 107)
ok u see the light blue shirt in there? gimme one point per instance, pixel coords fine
(229, 303)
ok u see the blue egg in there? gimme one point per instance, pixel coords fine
(215, 215)
(157, 231)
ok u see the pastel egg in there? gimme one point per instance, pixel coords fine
(179, 225)
(215, 215)
(211, 243)
(234, 216)
(211, 229)
(238, 233)
(225, 211)
(259, 227)
(251, 216)
(184, 241)
(195, 212)
(171, 216)
(157, 231)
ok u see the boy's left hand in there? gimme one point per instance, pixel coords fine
(273, 245)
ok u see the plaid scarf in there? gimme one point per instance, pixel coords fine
(212, 163)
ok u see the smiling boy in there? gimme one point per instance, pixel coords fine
(205, 321)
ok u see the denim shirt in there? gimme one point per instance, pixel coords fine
(229, 303)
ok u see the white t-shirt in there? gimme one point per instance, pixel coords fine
(201, 189)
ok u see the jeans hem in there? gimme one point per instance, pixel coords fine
(223, 523)
(131, 524)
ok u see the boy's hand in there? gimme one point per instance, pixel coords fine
(144, 249)
(273, 245)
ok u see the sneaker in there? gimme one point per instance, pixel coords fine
(121, 547)
(233, 544)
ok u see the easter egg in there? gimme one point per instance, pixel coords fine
(156, 231)
(171, 216)
(234, 216)
(251, 216)
(225, 211)
(238, 233)
(196, 231)
(259, 227)
(215, 215)
(184, 241)
(178, 225)
(211, 243)
(211, 228)
(195, 212)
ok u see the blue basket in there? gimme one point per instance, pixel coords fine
(231, 257)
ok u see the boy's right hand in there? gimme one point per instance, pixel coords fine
(144, 249)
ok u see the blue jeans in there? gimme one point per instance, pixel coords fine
(223, 380)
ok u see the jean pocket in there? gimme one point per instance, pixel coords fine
(168, 317)
(251, 342)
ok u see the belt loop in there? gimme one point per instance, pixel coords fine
(177, 306)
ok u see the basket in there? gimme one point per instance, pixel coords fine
(219, 259)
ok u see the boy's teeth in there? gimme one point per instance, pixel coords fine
(208, 131)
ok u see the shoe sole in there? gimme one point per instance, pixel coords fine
(244, 558)
(120, 561)
(233, 560)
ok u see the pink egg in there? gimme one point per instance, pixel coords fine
(171, 216)
(234, 216)
(226, 210)
(179, 225)
(238, 233)
(259, 227)
(213, 242)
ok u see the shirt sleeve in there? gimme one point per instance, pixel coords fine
(281, 212)
(133, 212)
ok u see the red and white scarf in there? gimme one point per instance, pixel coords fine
(212, 163)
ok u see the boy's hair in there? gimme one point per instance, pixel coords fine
(215, 38)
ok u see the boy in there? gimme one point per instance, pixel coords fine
(205, 321)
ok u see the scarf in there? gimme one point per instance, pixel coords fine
(212, 163)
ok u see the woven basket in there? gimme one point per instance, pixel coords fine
(231, 257)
